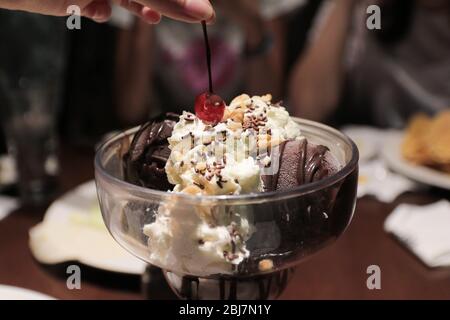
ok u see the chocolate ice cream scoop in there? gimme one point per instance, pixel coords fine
(300, 162)
(149, 151)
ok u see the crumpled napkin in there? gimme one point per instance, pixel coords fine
(377, 180)
(425, 230)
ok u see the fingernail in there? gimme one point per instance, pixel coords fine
(199, 9)
(100, 18)
(151, 17)
(212, 20)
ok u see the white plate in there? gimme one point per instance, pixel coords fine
(369, 140)
(392, 155)
(73, 230)
(16, 293)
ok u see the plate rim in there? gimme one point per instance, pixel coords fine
(393, 158)
(52, 212)
(29, 293)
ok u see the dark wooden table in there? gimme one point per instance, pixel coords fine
(338, 272)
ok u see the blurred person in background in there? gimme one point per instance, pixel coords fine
(351, 74)
(163, 68)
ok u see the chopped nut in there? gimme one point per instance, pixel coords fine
(227, 114)
(237, 115)
(240, 99)
(265, 265)
(201, 166)
(267, 98)
(234, 125)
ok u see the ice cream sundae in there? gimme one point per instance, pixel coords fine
(227, 205)
(226, 199)
(254, 147)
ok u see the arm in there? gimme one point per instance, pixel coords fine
(317, 78)
(263, 71)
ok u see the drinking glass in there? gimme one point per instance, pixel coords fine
(28, 120)
(31, 71)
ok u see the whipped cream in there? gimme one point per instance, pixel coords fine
(228, 158)
(198, 241)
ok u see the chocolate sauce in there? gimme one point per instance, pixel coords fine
(149, 151)
(261, 287)
(311, 164)
(271, 181)
(310, 161)
(186, 288)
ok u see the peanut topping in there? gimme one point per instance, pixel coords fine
(267, 98)
(265, 265)
(200, 167)
(240, 99)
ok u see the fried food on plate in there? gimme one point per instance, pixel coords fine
(438, 139)
(414, 147)
(427, 141)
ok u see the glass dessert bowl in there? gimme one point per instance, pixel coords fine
(280, 228)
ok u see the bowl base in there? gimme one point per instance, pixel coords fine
(262, 287)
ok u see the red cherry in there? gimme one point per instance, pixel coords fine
(209, 108)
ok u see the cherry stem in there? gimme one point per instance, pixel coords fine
(208, 55)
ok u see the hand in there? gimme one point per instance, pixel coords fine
(100, 10)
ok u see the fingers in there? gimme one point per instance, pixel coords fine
(145, 13)
(151, 10)
(150, 16)
(98, 10)
(183, 10)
